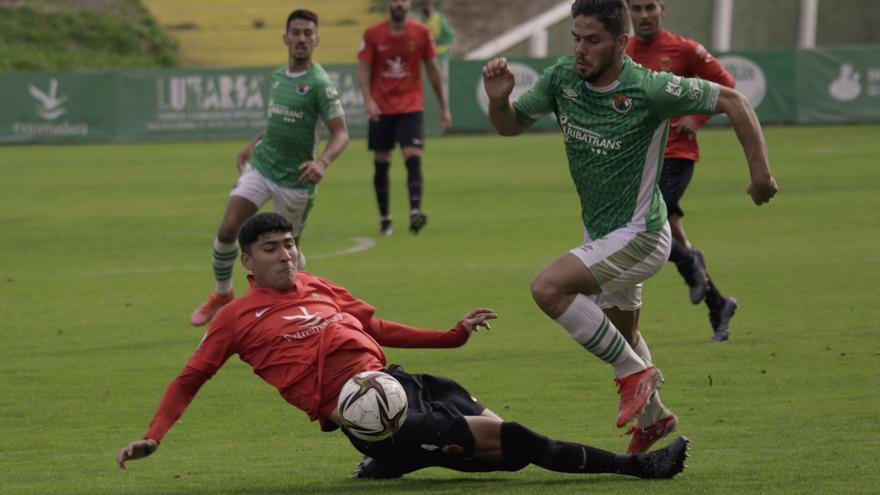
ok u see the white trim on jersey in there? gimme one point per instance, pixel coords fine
(650, 171)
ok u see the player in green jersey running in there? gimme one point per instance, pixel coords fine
(281, 163)
(613, 116)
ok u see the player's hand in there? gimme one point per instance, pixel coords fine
(136, 450)
(761, 189)
(244, 156)
(371, 109)
(312, 171)
(498, 79)
(446, 119)
(686, 126)
(477, 318)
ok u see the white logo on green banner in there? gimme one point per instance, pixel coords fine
(749, 76)
(847, 86)
(50, 104)
(49, 108)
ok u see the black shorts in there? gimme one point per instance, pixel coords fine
(674, 180)
(435, 432)
(404, 128)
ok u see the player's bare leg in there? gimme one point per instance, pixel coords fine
(562, 291)
(238, 210)
(415, 185)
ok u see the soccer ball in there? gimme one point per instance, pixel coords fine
(372, 405)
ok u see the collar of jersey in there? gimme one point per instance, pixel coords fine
(294, 75)
(271, 291)
(603, 89)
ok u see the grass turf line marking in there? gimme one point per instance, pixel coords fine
(361, 244)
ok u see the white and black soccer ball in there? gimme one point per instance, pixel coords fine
(372, 405)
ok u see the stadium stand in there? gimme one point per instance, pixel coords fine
(231, 33)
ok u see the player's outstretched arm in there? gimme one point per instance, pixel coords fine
(179, 393)
(312, 171)
(136, 449)
(748, 130)
(476, 318)
(393, 334)
(498, 82)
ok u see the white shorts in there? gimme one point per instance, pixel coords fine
(622, 260)
(294, 204)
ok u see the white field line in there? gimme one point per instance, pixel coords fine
(361, 244)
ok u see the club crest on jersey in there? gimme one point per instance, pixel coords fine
(622, 103)
(302, 89)
(569, 94)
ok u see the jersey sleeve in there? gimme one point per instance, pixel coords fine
(360, 310)
(707, 67)
(178, 395)
(365, 52)
(430, 50)
(393, 334)
(674, 95)
(537, 101)
(217, 345)
(329, 103)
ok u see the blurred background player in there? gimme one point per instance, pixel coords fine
(390, 78)
(280, 162)
(613, 115)
(307, 336)
(443, 34)
(661, 50)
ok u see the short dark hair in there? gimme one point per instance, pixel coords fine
(614, 14)
(301, 14)
(260, 225)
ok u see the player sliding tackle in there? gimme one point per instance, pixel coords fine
(307, 336)
(613, 115)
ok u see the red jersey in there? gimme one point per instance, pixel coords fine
(396, 65)
(683, 57)
(306, 341)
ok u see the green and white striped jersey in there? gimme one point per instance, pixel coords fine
(615, 136)
(298, 103)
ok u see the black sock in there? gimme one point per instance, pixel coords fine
(714, 299)
(684, 260)
(414, 181)
(521, 446)
(380, 183)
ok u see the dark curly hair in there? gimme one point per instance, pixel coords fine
(301, 14)
(614, 14)
(260, 225)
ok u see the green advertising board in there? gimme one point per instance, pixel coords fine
(47, 106)
(839, 85)
(468, 102)
(785, 86)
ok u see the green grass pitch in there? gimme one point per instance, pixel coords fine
(105, 250)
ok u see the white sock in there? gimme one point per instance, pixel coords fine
(589, 327)
(223, 262)
(654, 410)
